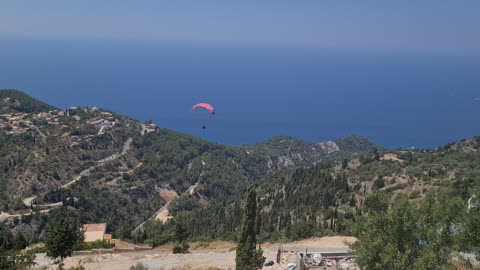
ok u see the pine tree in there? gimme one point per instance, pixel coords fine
(258, 225)
(248, 257)
(62, 237)
(181, 235)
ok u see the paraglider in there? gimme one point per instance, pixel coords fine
(205, 106)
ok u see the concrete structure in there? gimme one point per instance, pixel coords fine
(95, 232)
(107, 237)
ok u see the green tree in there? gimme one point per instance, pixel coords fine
(248, 257)
(406, 236)
(19, 242)
(344, 163)
(258, 225)
(181, 235)
(471, 233)
(376, 202)
(376, 154)
(379, 183)
(62, 236)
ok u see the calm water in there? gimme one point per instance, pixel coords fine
(394, 99)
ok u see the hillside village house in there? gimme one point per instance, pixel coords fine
(95, 232)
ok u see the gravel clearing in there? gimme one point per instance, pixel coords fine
(197, 259)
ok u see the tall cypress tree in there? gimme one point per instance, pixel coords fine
(248, 257)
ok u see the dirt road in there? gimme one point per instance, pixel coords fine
(220, 258)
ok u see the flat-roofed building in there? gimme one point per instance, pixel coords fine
(95, 232)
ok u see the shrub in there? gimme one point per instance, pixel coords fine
(379, 183)
(95, 245)
(139, 266)
(414, 194)
(181, 248)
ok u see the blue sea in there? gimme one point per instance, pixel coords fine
(396, 99)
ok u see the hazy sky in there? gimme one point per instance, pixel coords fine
(450, 26)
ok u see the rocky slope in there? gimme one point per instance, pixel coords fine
(284, 152)
(329, 196)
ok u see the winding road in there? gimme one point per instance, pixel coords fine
(29, 200)
(162, 213)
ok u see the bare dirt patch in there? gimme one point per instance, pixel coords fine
(204, 255)
(168, 194)
(330, 242)
(392, 157)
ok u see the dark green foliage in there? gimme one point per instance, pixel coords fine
(248, 257)
(379, 183)
(183, 160)
(95, 245)
(19, 242)
(11, 256)
(301, 230)
(181, 248)
(414, 194)
(218, 221)
(63, 236)
(8, 241)
(181, 236)
(344, 163)
(377, 202)
(296, 197)
(181, 233)
(406, 236)
(138, 266)
(15, 260)
(122, 211)
(258, 221)
(182, 203)
(12, 101)
(156, 233)
(13, 152)
(471, 232)
(356, 144)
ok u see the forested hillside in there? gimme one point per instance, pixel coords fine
(104, 167)
(110, 168)
(329, 197)
(14, 101)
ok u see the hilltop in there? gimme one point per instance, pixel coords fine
(14, 101)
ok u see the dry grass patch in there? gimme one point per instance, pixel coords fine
(213, 245)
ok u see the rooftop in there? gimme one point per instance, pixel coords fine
(101, 227)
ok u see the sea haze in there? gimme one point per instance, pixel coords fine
(395, 99)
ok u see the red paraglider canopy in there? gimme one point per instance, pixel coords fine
(206, 106)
